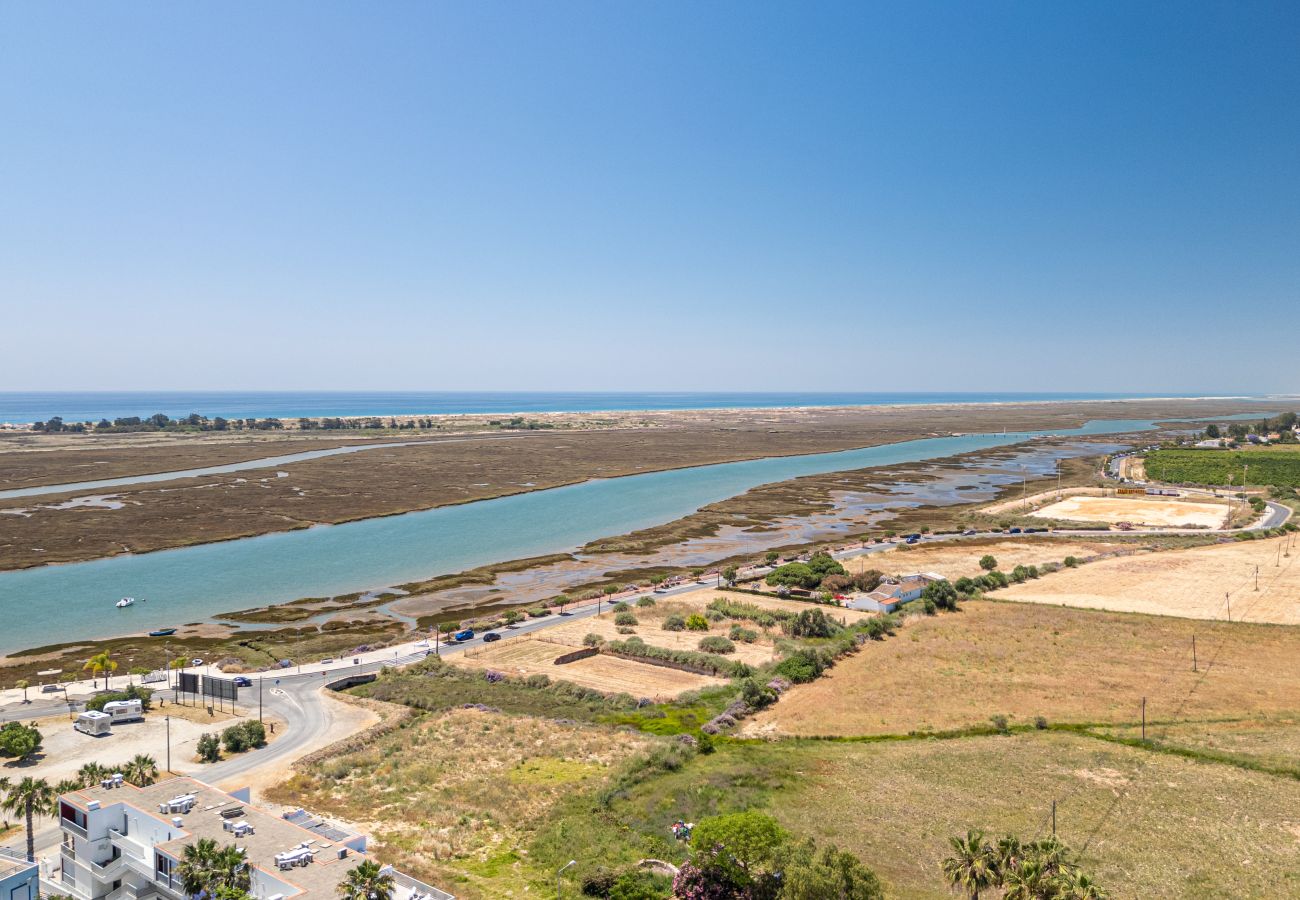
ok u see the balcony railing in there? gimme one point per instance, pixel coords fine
(69, 825)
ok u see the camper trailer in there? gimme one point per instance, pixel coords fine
(94, 723)
(120, 711)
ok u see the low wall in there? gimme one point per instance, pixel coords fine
(576, 655)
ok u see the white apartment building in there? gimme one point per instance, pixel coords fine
(121, 842)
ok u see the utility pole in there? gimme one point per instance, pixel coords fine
(1194, 653)
(1256, 578)
(1144, 719)
(259, 698)
(168, 720)
(1053, 818)
(1227, 598)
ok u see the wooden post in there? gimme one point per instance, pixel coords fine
(1194, 653)
(1228, 598)
(1144, 718)
(1053, 818)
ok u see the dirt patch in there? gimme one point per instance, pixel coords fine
(957, 559)
(529, 656)
(1147, 513)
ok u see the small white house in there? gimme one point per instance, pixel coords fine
(94, 722)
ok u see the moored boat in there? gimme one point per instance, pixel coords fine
(162, 632)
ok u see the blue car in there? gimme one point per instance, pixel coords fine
(243, 681)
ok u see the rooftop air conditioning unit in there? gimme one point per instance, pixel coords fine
(92, 805)
(177, 821)
(343, 853)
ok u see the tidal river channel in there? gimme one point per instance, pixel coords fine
(76, 601)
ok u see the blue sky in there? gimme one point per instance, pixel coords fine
(662, 195)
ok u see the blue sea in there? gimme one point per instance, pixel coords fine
(94, 405)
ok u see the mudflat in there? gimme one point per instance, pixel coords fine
(387, 481)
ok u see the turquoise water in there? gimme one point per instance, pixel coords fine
(95, 405)
(75, 601)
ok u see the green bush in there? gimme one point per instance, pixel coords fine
(625, 618)
(592, 640)
(741, 633)
(621, 606)
(1071, 562)
(674, 623)
(244, 736)
(209, 748)
(696, 622)
(704, 662)
(715, 643)
(645, 602)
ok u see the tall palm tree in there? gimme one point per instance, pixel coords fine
(141, 771)
(973, 867)
(232, 870)
(101, 664)
(91, 774)
(367, 882)
(31, 797)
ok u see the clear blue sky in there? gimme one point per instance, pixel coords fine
(858, 196)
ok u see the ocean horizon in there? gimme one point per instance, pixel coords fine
(18, 407)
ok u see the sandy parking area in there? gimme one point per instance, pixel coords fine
(64, 749)
(534, 656)
(1152, 513)
(1198, 583)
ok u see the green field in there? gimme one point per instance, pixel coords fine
(1272, 466)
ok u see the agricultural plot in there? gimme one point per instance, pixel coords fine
(1272, 465)
(610, 674)
(1212, 582)
(1022, 661)
(1164, 513)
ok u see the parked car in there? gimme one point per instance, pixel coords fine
(466, 635)
(243, 681)
(969, 531)
(1013, 531)
(490, 637)
(327, 660)
(913, 538)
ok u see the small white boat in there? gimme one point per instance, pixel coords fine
(125, 602)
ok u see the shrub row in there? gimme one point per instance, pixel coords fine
(704, 663)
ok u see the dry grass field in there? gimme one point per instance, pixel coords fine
(453, 797)
(1149, 826)
(1198, 583)
(955, 559)
(1022, 660)
(610, 674)
(1151, 513)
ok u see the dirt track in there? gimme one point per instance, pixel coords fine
(1153, 513)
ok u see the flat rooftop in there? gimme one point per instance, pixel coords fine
(10, 866)
(271, 835)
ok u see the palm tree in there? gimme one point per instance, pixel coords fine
(205, 869)
(31, 796)
(91, 774)
(141, 771)
(197, 863)
(101, 664)
(23, 684)
(973, 867)
(367, 882)
(1032, 880)
(1078, 886)
(1010, 853)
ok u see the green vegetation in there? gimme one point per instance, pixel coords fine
(244, 736)
(704, 663)
(1280, 468)
(18, 740)
(807, 575)
(1032, 870)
